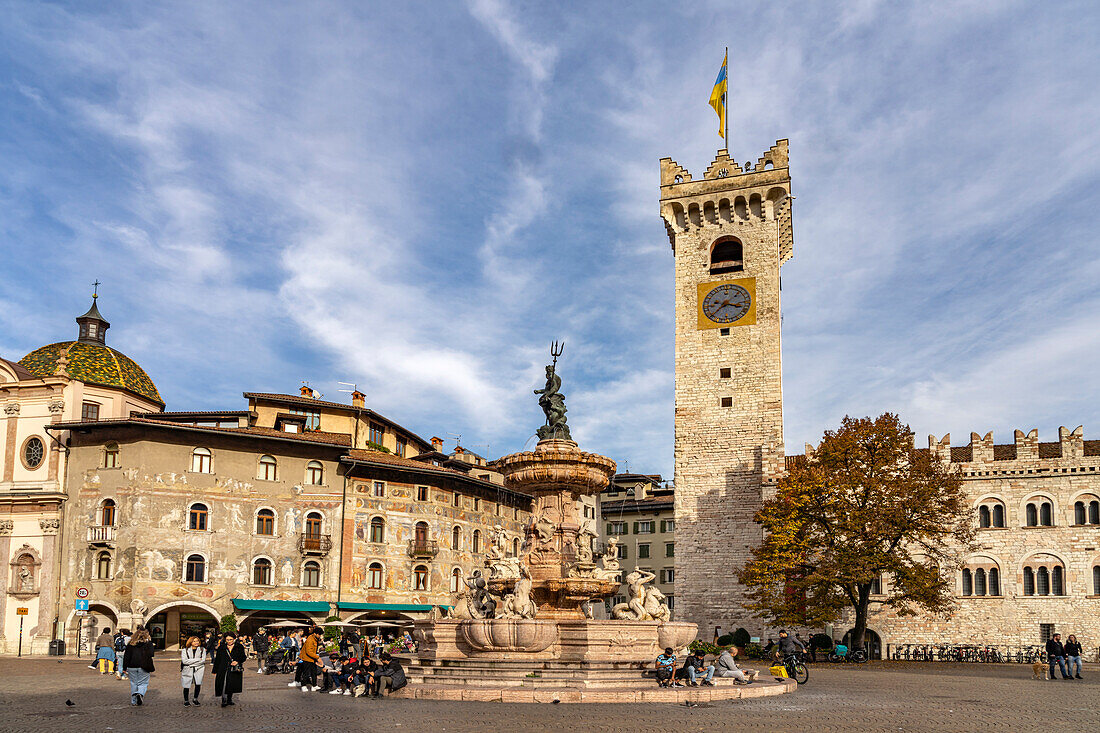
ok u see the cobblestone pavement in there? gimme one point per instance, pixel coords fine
(900, 696)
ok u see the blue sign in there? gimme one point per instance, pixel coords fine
(81, 605)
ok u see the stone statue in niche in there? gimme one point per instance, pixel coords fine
(24, 573)
(287, 573)
(26, 576)
(645, 604)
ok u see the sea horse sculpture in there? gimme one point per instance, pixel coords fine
(552, 401)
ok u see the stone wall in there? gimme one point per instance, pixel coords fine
(1014, 475)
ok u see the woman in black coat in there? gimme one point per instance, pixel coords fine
(229, 669)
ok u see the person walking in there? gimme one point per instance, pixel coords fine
(105, 654)
(1057, 653)
(310, 661)
(229, 669)
(138, 661)
(210, 642)
(192, 667)
(122, 638)
(1073, 656)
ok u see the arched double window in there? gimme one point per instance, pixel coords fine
(315, 473)
(197, 517)
(311, 574)
(261, 571)
(1086, 510)
(377, 530)
(195, 570)
(1039, 512)
(991, 514)
(420, 577)
(268, 468)
(265, 522)
(374, 576)
(201, 460)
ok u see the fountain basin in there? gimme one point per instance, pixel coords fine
(555, 465)
(509, 635)
(676, 634)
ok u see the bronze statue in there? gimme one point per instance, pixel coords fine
(552, 401)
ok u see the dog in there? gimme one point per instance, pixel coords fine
(1040, 671)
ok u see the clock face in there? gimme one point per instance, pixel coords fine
(727, 303)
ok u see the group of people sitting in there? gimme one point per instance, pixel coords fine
(344, 674)
(695, 670)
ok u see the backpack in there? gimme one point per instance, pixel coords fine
(120, 643)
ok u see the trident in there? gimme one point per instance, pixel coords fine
(555, 351)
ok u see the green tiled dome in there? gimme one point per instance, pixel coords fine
(95, 364)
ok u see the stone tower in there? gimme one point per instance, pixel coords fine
(730, 232)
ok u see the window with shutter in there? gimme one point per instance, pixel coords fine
(635, 528)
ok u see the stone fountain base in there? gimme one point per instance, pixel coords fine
(564, 640)
(543, 660)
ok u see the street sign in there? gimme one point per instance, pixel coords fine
(81, 605)
(22, 611)
(81, 613)
(81, 592)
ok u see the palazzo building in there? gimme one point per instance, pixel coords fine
(70, 380)
(178, 519)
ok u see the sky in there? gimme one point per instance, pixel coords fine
(417, 198)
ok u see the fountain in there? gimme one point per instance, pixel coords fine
(523, 632)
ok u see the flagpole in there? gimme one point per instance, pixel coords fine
(726, 102)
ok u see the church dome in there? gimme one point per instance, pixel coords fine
(90, 360)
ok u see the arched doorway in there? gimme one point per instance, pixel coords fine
(171, 625)
(83, 629)
(872, 643)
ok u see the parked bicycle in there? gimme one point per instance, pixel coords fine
(841, 653)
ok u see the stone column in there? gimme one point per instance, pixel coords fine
(6, 526)
(11, 410)
(56, 407)
(47, 584)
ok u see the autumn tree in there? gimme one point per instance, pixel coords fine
(865, 505)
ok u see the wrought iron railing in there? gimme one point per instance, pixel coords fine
(318, 544)
(423, 548)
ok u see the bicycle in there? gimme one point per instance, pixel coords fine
(796, 668)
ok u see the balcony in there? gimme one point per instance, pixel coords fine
(426, 549)
(103, 536)
(314, 544)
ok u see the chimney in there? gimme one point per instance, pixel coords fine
(358, 399)
(305, 391)
(437, 443)
(459, 449)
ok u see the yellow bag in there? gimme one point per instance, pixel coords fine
(779, 671)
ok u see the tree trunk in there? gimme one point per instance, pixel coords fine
(859, 629)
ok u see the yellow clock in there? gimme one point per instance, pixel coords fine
(727, 303)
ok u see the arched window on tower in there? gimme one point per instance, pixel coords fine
(994, 582)
(1029, 582)
(984, 516)
(967, 582)
(727, 255)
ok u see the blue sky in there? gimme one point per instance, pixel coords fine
(418, 197)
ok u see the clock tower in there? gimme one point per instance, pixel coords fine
(730, 232)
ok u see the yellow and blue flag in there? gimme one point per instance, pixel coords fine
(718, 97)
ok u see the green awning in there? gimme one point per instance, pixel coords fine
(352, 606)
(247, 604)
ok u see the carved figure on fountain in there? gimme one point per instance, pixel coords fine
(499, 565)
(645, 604)
(552, 401)
(475, 602)
(518, 603)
